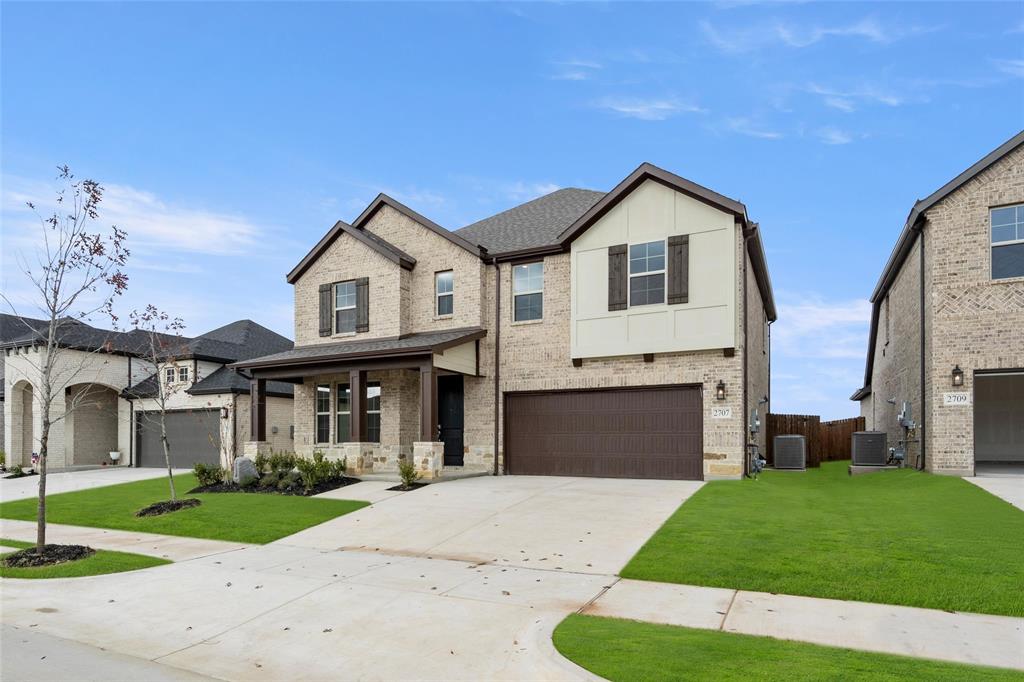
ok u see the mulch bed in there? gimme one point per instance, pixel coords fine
(167, 506)
(23, 474)
(299, 491)
(51, 555)
(405, 488)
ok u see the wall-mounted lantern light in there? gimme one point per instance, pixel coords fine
(720, 390)
(958, 376)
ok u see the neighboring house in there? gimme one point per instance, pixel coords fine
(621, 334)
(947, 323)
(106, 376)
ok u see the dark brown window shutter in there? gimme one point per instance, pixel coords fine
(326, 310)
(679, 269)
(618, 277)
(362, 304)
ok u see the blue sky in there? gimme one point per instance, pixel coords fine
(231, 136)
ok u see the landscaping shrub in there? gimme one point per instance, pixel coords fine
(290, 481)
(3, 459)
(261, 463)
(407, 470)
(248, 481)
(319, 470)
(270, 479)
(209, 474)
(281, 461)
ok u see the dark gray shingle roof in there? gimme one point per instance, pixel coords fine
(535, 223)
(422, 341)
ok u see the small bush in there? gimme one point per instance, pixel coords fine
(261, 463)
(290, 481)
(270, 479)
(319, 470)
(16, 471)
(3, 458)
(407, 470)
(281, 461)
(248, 481)
(209, 474)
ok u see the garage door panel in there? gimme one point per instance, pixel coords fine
(193, 436)
(999, 418)
(628, 433)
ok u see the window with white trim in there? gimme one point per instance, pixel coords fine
(647, 273)
(323, 413)
(1007, 241)
(444, 288)
(343, 413)
(169, 375)
(528, 292)
(183, 374)
(345, 307)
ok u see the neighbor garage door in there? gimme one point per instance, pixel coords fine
(621, 433)
(999, 417)
(193, 436)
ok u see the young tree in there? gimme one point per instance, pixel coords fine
(164, 348)
(76, 273)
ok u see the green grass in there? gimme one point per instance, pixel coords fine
(897, 537)
(622, 650)
(100, 563)
(238, 517)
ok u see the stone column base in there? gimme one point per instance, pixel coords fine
(428, 456)
(251, 448)
(359, 457)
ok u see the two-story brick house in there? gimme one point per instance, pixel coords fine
(947, 324)
(582, 333)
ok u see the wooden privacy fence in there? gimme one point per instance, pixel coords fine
(826, 441)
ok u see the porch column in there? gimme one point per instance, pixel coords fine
(258, 409)
(428, 403)
(357, 404)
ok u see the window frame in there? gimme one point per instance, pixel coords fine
(317, 413)
(529, 292)
(336, 308)
(344, 386)
(170, 375)
(647, 273)
(993, 245)
(438, 294)
(183, 374)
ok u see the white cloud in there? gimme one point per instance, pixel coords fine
(575, 69)
(787, 34)
(744, 126)
(840, 103)
(149, 221)
(1012, 67)
(830, 135)
(867, 93)
(649, 109)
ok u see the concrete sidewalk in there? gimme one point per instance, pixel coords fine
(164, 546)
(972, 638)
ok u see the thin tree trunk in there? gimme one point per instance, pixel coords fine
(41, 509)
(167, 456)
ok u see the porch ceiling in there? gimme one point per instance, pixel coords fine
(411, 350)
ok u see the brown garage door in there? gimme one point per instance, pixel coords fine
(621, 433)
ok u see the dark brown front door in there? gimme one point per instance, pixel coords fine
(620, 433)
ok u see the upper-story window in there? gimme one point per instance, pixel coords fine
(345, 307)
(444, 286)
(169, 375)
(528, 292)
(647, 273)
(1007, 242)
(183, 374)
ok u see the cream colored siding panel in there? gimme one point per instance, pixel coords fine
(461, 358)
(708, 320)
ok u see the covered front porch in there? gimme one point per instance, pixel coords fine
(380, 402)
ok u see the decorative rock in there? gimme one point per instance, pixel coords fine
(243, 470)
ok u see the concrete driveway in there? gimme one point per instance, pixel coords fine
(459, 580)
(1005, 481)
(82, 479)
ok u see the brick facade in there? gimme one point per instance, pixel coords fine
(970, 320)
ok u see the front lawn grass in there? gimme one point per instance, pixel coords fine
(621, 650)
(100, 563)
(895, 537)
(237, 517)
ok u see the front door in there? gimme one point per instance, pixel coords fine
(449, 413)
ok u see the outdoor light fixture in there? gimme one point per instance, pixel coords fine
(958, 376)
(720, 390)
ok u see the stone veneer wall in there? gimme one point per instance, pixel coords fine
(973, 321)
